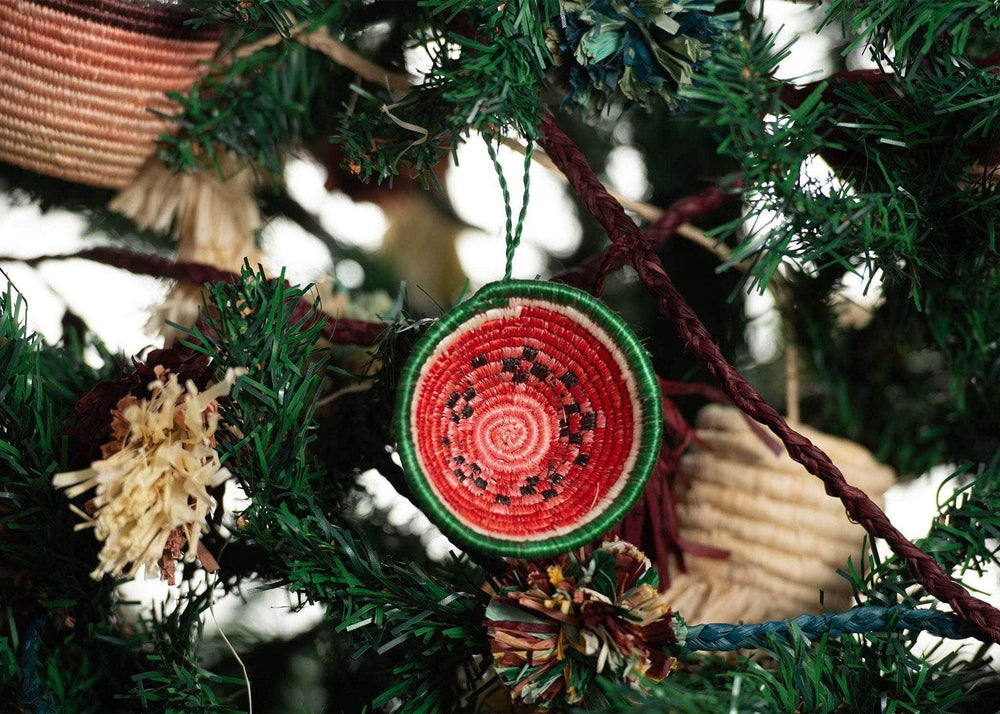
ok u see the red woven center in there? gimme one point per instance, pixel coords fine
(526, 420)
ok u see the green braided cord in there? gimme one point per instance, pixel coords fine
(515, 240)
(720, 637)
(497, 295)
(512, 234)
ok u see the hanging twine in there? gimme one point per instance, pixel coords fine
(512, 232)
(720, 637)
(628, 241)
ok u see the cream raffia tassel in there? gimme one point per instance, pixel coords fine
(151, 486)
(214, 220)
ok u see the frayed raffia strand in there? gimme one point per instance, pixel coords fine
(628, 239)
(236, 656)
(336, 51)
(214, 218)
(337, 330)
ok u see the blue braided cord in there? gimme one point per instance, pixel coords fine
(31, 692)
(720, 637)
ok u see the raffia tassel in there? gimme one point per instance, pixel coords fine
(214, 220)
(151, 488)
(785, 536)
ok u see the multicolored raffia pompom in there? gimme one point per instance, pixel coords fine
(528, 419)
(555, 626)
(636, 50)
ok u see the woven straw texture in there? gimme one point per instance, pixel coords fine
(529, 419)
(786, 537)
(78, 79)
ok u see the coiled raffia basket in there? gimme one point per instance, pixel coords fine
(79, 78)
(785, 536)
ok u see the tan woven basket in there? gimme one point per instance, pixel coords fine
(78, 79)
(786, 537)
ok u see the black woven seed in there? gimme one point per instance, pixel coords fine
(588, 421)
(582, 460)
(505, 500)
(540, 371)
(510, 364)
(529, 353)
(445, 441)
(569, 379)
(520, 377)
(480, 482)
(478, 361)
(576, 438)
(571, 408)
(475, 468)
(563, 428)
(459, 459)
(469, 394)
(527, 490)
(453, 399)
(549, 493)
(555, 478)
(532, 480)
(461, 476)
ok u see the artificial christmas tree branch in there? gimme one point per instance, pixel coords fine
(627, 240)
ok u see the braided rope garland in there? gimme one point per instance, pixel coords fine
(719, 637)
(528, 419)
(627, 241)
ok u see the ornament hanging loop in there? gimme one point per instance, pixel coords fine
(512, 231)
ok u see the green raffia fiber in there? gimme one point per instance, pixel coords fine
(497, 295)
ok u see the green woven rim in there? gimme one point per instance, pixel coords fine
(498, 295)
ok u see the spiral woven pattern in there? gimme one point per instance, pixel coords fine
(78, 79)
(529, 419)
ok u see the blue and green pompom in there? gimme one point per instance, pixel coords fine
(632, 51)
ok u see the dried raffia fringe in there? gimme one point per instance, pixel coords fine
(542, 372)
(627, 239)
(214, 218)
(724, 637)
(784, 537)
(77, 80)
(153, 479)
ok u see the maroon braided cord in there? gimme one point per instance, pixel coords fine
(342, 331)
(626, 235)
(590, 274)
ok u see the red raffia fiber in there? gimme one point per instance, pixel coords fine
(627, 239)
(338, 330)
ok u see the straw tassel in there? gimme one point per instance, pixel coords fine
(214, 219)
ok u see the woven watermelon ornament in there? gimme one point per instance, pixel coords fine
(528, 419)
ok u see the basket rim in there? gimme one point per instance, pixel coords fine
(499, 294)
